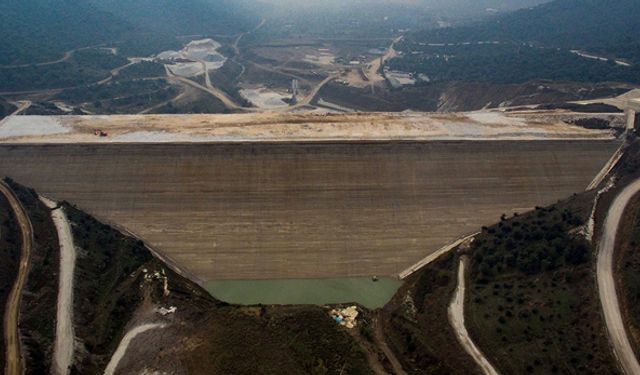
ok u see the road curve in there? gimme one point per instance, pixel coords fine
(456, 319)
(606, 282)
(124, 344)
(63, 344)
(14, 360)
(219, 94)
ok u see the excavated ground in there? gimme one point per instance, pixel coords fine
(302, 127)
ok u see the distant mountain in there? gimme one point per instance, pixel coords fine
(477, 8)
(42, 30)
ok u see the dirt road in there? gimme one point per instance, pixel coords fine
(239, 38)
(378, 337)
(67, 55)
(456, 319)
(23, 105)
(373, 71)
(606, 282)
(124, 344)
(15, 365)
(114, 72)
(219, 94)
(309, 98)
(63, 346)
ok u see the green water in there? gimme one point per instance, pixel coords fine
(363, 290)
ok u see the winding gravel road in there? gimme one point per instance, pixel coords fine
(456, 319)
(14, 360)
(606, 282)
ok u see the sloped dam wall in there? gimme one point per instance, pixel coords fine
(264, 211)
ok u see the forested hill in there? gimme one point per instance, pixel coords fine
(36, 31)
(183, 17)
(578, 24)
(40, 30)
(564, 40)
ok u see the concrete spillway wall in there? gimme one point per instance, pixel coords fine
(306, 210)
(631, 109)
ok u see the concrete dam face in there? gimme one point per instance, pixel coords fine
(265, 211)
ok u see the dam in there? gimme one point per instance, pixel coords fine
(344, 196)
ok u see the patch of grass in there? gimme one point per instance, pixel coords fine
(143, 69)
(120, 96)
(279, 340)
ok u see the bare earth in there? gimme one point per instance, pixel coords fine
(264, 210)
(288, 127)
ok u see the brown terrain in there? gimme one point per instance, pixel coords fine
(245, 211)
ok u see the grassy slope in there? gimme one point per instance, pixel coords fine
(279, 340)
(417, 327)
(38, 308)
(532, 303)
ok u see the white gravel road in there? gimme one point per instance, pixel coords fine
(606, 282)
(456, 319)
(63, 346)
(124, 344)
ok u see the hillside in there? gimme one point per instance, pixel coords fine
(41, 30)
(120, 285)
(182, 17)
(560, 23)
(535, 43)
(36, 31)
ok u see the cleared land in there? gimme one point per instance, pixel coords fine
(245, 211)
(281, 128)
